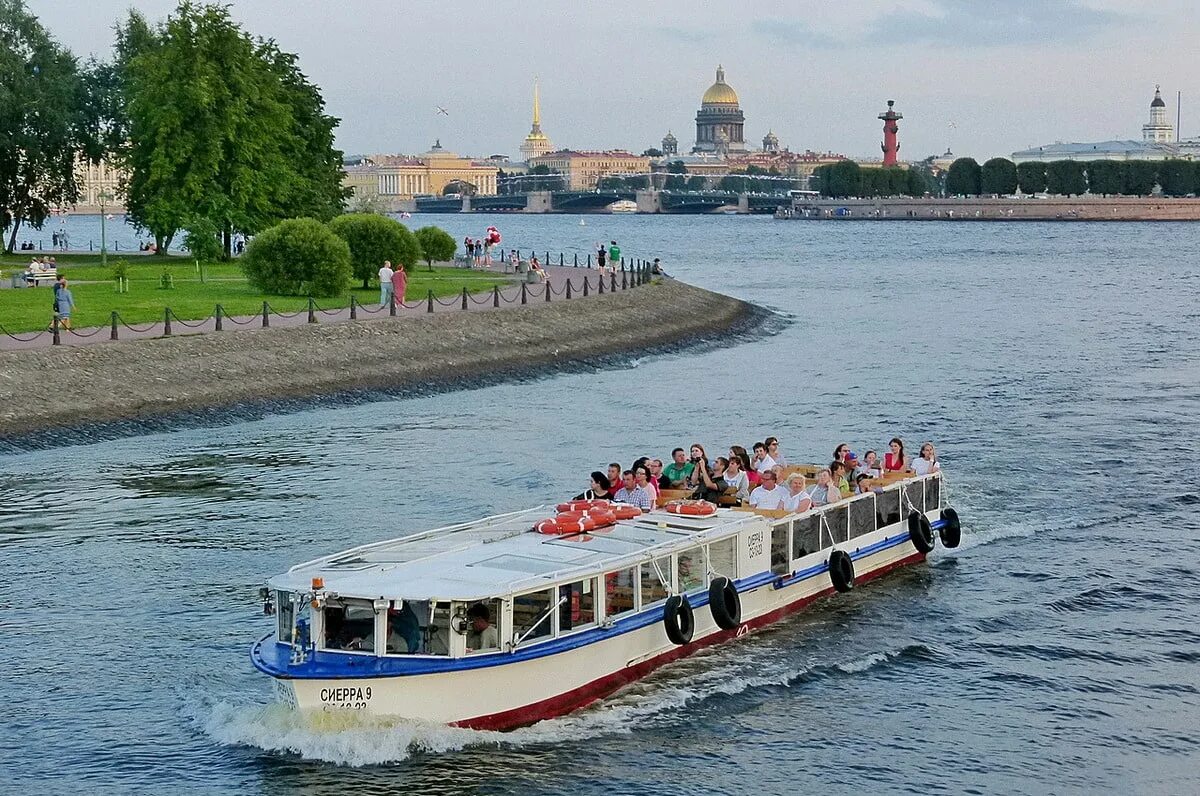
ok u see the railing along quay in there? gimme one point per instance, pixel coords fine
(627, 275)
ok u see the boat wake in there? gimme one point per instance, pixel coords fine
(352, 739)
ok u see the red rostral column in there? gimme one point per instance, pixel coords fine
(890, 145)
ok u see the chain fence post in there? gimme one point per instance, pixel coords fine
(546, 289)
(613, 282)
(392, 304)
(576, 259)
(585, 284)
(524, 294)
(353, 308)
(112, 335)
(266, 319)
(600, 284)
(589, 260)
(220, 311)
(167, 322)
(464, 298)
(560, 259)
(495, 295)
(624, 286)
(430, 300)
(312, 311)
(54, 324)
(568, 288)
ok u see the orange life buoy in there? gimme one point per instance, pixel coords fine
(582, 505)
(691, 508)
(602, 518)
(548, 527)
(624, 512)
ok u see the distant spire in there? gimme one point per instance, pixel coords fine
(537, 107)
(720, 74)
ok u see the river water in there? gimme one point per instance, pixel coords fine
(1055, 366)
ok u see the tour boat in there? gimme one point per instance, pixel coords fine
(519, 617)
(623, 206)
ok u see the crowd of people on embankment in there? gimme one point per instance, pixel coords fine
(760, 478)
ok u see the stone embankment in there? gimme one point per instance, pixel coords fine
(1058, 208)
(153, 379)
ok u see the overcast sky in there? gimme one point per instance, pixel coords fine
(984, 77)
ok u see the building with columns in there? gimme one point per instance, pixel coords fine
(1159, 129)
(720, 122)
(581, 170)
(99, 184)
(536, 143)
(391, 178)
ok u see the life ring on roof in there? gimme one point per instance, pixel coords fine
(691, 508)
(601, 518)
(582, 505)
(679, 619)
(564, 524)
(626, 512)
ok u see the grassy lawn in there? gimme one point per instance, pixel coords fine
(29, 309)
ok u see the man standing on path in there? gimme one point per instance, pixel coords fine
(600, 255)
(399, 283)
(614, 255)
(385, 283)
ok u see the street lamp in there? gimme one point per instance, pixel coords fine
(103, 197)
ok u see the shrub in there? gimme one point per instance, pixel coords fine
(373, 239)
(436, 244)
(299, 257)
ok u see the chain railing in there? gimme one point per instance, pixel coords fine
(633, 273)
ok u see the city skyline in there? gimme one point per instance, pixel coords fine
(982, 81)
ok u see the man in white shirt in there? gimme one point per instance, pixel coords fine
(633, 494)
(769, 494)
(762, 460)
(483, 635)
(385, 283)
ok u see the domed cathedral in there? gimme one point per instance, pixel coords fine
(770, 142)
(1159, 129)
(719, 121)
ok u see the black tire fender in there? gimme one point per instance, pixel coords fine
(841, 570)
(679, 619)
(724, 603)
(920, 531)
(951, 530)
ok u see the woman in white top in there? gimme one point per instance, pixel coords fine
(797, 499)
(870, 465)
(826, 491)
(773, 451)
(736, 480)
(927, 462)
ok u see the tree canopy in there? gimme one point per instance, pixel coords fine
(1105, 177)
(298, 257)
(436, 244)
(998, 176)
(1031, 177)
(373, 239)
(1065, 177)
(1177, 177)
(964, 178)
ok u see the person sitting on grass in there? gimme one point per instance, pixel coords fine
(633, 494)
(768, 494)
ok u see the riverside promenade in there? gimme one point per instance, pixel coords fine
(563, 283)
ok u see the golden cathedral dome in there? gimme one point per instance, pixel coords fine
(720, 93)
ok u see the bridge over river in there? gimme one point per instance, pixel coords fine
(598, 201)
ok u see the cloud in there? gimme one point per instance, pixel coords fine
(997, 23)
(791, 33)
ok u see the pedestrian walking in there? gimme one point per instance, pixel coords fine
(385, 283)
(614, 255)
(64, 303)
(601, 254)
(399, 283)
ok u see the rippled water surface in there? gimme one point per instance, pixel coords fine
(1056, 651)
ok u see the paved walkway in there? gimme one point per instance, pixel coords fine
(510, 296)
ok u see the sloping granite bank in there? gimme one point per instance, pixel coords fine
(146, 380)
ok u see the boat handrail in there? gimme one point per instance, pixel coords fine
(545, 615)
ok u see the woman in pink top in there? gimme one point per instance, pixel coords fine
(399, 283)
(893, 460)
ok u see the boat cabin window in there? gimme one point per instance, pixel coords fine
(653, 588)
(291, 616)
(483, 626)
(437, 632)
(578, 607)
(862, 516)
(689, 568)
(405, 634)
(887, 507)
(349, 625)
(806, 536)
(779, 548)
(533, 616)
(618, 592)
(722, 557)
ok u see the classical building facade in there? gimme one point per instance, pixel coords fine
(670, 144)
(390, 178)
(582, 169)
(99, 184)
(1159, 129)
(720, 122)
(536, 143)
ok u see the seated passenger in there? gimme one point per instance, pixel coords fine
(633, 494)
(614, 476)
(761, 461)
(863, 483)
(768, 495)
(797, 499)
(641, 477)
(825, 492)
(927, 462)
(736, 482)
(600, 489)
(404, 631)
(678, 471)
(656, 474)
(869, 465)
(482, 636)
(773, 451)
(841, 452)
(893, 460)
(712, 481)
(837, 471)
(699, 461)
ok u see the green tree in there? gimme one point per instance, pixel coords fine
(42, 122)
(841, 179)
(964, 178)
(223, 126)
(1065, 178)
(1105, 177)
(998, 176)
(675, 182)
(1140, 177)
(202, 239)
(298, 257)
(1031, 176)
(918, 182)
(676, 167)
(652, 153)
(372, 239)
(1177, 177)
(696, 182)
(436, 245)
